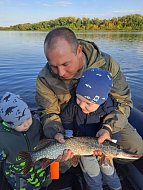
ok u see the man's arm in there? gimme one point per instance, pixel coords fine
(48, 101)
(120, 89)
(68, 113)
(121, 92)
(118, 118)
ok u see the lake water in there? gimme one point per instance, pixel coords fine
(22, 57)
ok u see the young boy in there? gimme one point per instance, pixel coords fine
(19, 132)
(85, 116)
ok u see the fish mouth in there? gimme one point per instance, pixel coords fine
(128, 156)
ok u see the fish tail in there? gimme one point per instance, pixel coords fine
(26, 157)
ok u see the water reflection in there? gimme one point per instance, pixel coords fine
(22, 57)
(111, 35)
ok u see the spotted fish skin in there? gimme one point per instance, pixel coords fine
(82, 146)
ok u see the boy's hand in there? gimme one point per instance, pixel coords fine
(67, 154)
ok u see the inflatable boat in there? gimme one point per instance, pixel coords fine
(134, 170)
(131, 173)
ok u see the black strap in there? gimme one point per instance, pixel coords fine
(108, 129)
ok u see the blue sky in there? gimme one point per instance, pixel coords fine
(15, 11)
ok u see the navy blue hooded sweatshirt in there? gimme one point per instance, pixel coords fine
(73, 118)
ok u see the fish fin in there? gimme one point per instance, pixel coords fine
(106, 160)
(26, 157)
(46, 163)
(101, 159)
(44, 143)
(75, 160)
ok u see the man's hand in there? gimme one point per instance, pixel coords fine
(103, 134)
(67, 154)
(60, 138)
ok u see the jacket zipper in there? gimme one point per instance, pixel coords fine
(27, 141)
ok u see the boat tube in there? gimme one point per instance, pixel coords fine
(136, 120)
(132, 171)
(135, 169)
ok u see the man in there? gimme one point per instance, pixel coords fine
(67, 59)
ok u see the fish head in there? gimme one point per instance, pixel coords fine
(122, 154)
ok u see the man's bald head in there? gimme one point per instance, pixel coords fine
(61, 33)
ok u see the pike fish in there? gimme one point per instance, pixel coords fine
(80, 146)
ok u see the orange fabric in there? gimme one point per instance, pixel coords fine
(54, 170)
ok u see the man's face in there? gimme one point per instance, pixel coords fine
(63, 61)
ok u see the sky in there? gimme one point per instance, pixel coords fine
(14, 12)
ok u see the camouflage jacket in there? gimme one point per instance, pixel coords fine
(53, 92)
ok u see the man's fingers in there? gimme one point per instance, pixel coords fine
(60, 138)
(97, 153)
(59, 159)
(101, 139)
(103, 135)
(67, 154)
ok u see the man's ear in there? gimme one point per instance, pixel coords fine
(79, 50)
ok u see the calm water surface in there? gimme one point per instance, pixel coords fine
(22, 57)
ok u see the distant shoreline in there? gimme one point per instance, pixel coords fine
(84, 31)
(133, 22)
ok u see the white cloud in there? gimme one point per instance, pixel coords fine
(57, 3)
(127, 11)
(120, 13)
(90, 15)
(63, 3)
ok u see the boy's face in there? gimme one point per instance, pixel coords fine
(24, 126)
(86, 106)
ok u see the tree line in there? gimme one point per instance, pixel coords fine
(133, 22)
